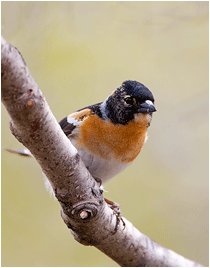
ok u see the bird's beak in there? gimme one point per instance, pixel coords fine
(147, 107)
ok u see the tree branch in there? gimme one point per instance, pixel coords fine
(84, 210)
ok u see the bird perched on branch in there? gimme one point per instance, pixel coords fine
(109, 135)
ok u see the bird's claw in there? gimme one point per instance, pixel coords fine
(116, 208)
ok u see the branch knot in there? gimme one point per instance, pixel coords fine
(85, 210)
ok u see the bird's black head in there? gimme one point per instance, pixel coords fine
(125, 102)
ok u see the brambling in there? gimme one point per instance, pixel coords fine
(109, 135)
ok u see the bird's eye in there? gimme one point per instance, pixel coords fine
(129, 100)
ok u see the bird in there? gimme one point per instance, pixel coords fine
(109, 135)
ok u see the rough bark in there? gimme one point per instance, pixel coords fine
(84, 210)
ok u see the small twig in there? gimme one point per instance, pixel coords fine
(22, 152)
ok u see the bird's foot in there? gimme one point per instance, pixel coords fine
(116, 208)
(98, 180)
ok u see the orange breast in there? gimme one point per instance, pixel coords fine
(123, 142)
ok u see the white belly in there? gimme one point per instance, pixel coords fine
(99, 167)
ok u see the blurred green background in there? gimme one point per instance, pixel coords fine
(78, 53)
